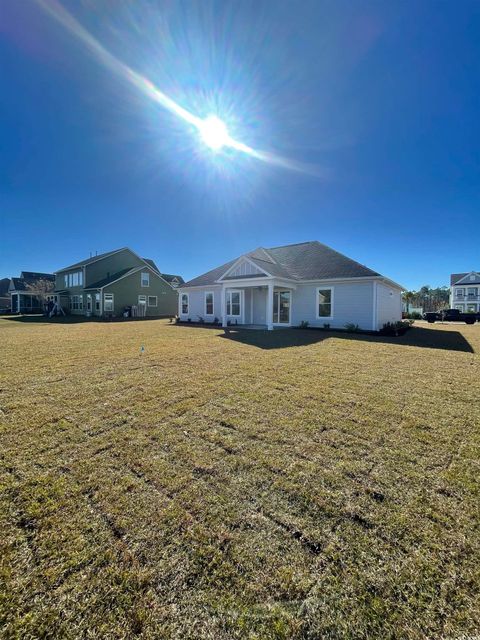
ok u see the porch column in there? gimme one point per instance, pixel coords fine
(270, 306)
(222, 307)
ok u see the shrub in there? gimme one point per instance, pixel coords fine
(326, 325)
(414, 315)
(352, 327)
(200, 320)
(395, 328)
(303, 324)
(216, 320)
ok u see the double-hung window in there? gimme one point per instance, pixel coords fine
(325, 302)
(142, 300)
(459, 293)
(152, 301)
(97, 302)
(184, 301)
(76, 303)
(233, 303)
(108, 302)
(209, 303)
(89, 301)
(145, 279)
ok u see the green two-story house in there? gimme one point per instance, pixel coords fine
(116, 284)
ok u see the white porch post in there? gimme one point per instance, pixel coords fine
(222, 306)
(270, 306)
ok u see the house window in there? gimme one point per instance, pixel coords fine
(145, 279)
(459, 307)
(459, 293)
(65, 280)
(108, 302)
(97, 302)
(76, 303)
(325, 302)
(89, 301)
(142, 300)
(209, 303)
(233, 303)
(152, 301)
(184, 303)
(471, 308)
(472, 292)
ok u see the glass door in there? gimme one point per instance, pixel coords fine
(281, 307)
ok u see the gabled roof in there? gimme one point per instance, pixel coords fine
(35, 275)
(302, 261)
(456, 278)
(28, 279)
(100, 256)
(170, 277)
(151, 263)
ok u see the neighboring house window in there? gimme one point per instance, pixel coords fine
(89, 301)
(209, 303)
(73, 279)
(459, 307)
(108, 302)
(152, 301)
(185, 303)
(471, 308)
(97, 302)
(325, 303)
(65, 280)
(233, 303)
(459, 293)
(145, 279)
(472, 292)
(76, 303)
(142, 300)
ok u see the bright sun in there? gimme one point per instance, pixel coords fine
(214, 133)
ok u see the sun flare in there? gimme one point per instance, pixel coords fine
(214, 133)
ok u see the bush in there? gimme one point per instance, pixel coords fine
(413, 316)
(326, 325)
(303, 324)
(352, 328)
(200, 320)
(395, 328)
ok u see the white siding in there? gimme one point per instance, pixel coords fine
(197, 304)
(245, 268)
(389, 304)
(352, 303)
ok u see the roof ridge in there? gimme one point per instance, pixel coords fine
(293, 244)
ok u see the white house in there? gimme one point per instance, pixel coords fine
(283, 286)
(464, 291)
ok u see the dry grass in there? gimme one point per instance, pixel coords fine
(294, 485)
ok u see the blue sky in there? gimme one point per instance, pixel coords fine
(382, 97)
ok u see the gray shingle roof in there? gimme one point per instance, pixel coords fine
(455, 277)
(303, 261)
(30, 278)
(171, 276)
(82, 263)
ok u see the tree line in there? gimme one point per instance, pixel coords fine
(428, 298)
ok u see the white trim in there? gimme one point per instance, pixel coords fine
(317, 302)
(375, 308)
(240, 303)
(237, 262)
(205, 293)
(113, 302)
(180, 308)
(152, 305)
(282, 324)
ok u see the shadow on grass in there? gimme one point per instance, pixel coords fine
(71, 319)
(415, 337)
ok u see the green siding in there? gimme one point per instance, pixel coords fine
(112, 264)
(127, 290)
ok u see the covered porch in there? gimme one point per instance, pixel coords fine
(257, 305)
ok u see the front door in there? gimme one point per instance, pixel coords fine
(281, 307)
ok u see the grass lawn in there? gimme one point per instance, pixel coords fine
(293, 484)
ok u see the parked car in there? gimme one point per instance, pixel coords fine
(451, 315)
